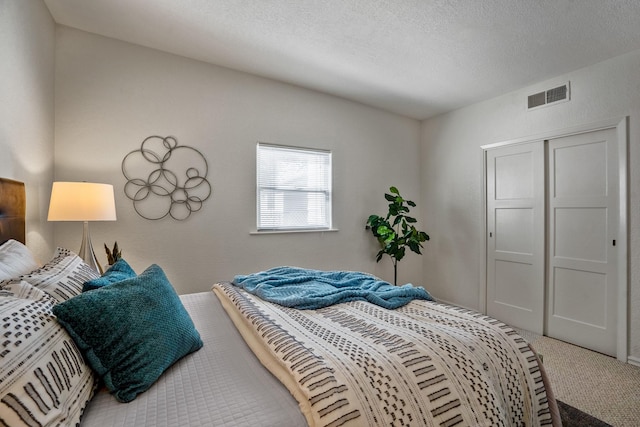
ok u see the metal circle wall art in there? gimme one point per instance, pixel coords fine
(166, 179)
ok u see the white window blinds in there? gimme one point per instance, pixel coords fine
(294, 188)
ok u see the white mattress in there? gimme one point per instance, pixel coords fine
(222, 384)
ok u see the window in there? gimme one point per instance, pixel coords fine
(293, 189)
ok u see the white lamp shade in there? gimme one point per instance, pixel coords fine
(82, 201)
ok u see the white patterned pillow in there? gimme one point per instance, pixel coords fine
(15, 259)
(44, 379)
(63, 276)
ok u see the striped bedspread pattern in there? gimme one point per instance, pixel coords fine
(424, 364)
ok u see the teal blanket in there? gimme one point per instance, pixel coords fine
(306, 289)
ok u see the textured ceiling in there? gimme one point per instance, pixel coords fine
(417, 58)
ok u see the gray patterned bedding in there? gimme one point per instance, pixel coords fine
(43, 381)
(261, 364)
(422, 364)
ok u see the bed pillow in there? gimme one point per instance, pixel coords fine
(44, 379)
(118, 272)
(15, 259)
(63, 276)
(130, 331)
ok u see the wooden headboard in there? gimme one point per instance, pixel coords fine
(13, 207)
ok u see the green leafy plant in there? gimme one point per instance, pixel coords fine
(113, 255)
(395, 232)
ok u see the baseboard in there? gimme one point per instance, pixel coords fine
(633, 360)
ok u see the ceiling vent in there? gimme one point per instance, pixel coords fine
(549, 97)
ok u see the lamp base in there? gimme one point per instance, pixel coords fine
(86, 250)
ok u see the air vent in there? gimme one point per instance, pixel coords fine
(548, 97)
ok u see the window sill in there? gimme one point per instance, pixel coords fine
(324, 230)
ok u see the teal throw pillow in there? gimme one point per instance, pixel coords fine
(131, 331)
(119, 271)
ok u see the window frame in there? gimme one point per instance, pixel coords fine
(328, 199)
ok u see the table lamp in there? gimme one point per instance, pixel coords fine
(83, 201)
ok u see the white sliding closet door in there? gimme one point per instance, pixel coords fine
(556, 258)
(583, 200)
(515, 235)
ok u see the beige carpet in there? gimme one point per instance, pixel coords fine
(592, 382)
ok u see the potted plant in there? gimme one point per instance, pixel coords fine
(395, 232)
(113, 255)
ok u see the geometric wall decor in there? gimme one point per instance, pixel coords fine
(166, 179)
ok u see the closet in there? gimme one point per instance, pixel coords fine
(555, 222)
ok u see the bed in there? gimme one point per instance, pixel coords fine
(251, 362)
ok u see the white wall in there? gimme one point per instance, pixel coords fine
(111, 95)
(27, 34)
(452, 171)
